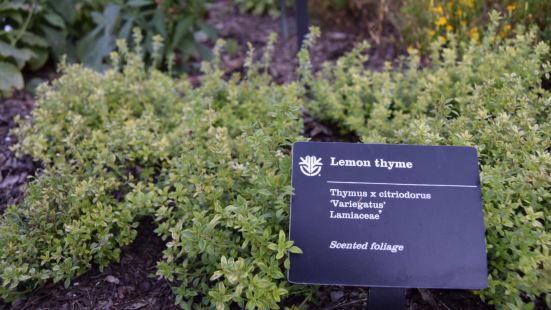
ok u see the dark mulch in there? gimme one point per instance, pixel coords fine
(14, 171)
(335, 297)
(336, 39)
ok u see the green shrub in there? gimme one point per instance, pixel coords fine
(490, 97)
(211, 164)
(222, 203)
(93, 132)
(33, 31)
(181, 24)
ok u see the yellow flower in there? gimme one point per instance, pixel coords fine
(442, 39)
(438, 9)
(459, 12)
(442, 21)
(511, 7)
(470, 3)
(431, 33)
(503, 33)
(474, 34)
(449, 28)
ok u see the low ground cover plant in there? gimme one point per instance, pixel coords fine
(211, 164)
(491, 98)
(93, 132)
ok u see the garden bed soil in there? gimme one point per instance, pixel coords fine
(336, 39)
(14, 171)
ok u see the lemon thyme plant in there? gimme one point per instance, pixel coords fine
(222, 203)
(211, 164)
(491, 98)
(95, 134)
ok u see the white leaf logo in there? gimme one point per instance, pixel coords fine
(310, 165)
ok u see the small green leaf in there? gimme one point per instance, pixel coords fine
(287, 263)
(216, 275)
(282, 239)
(295, 249)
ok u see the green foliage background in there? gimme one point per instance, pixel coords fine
(33, 31)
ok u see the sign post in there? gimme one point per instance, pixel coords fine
(302, 21)
(388, 217)
(386, 298)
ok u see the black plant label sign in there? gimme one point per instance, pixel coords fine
(387, 215)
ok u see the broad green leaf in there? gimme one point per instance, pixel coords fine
(159, 21)
(33, 39)
(21, 55)
(10, 77)
(66, 8)
(17, 17)
(110, 17)
(204, 51)
(183, 27)
(12, 5)
(57, 40)
(55, 20)
(40, 58)
(139, 3)
(93, 49)
(126, 28)
(31, 85)
(209, 30)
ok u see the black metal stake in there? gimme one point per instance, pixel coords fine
(284, 27)
(386, 298)
(301, 15)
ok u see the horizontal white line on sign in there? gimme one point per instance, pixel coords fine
(402, 184)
